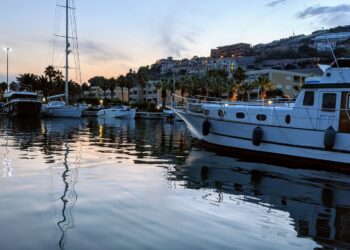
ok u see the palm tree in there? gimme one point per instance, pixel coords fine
(245, 88)
(29, 79)
(104, 85)
(112, 84)
(233, 88)
(3, 87)
(164, 85)
(122, 84)
(263, 83)
(239, 75)
(130, 81)
(142, 77)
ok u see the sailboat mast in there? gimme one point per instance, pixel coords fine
(67, 53)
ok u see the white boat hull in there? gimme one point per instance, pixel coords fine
(302, 143)
(117, 113)
(63, 111)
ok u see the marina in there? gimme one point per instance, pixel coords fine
(191, 126)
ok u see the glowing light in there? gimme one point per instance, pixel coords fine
(269, 102)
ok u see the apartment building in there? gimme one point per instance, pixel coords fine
(234, 50)
(287, 81)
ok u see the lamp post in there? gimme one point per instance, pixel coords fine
(7, 67)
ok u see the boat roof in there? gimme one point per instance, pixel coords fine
(333, 76)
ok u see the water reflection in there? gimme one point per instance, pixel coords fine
(61, 133)
(318, 202)
(119, 159)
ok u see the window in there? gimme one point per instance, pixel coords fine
(296, 78)
(261, 117)
(308, 98)
(329, 101)
(240, 115)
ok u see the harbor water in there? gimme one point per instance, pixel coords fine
(146, 184)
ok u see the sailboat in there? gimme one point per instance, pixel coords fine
(62, 108)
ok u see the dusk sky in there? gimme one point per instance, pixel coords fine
(116, 35)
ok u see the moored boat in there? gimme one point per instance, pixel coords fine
(316, 126)
(119, 111)
(21, 103)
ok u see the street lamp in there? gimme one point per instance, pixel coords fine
(7, 67)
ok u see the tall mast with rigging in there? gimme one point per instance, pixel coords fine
(67, 53)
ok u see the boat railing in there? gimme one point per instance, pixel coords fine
(193, 103)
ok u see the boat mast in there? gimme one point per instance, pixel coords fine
(67, 53)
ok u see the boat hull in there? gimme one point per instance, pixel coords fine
(22, 108)
(287, 142)
(63, 111)
(116, 113)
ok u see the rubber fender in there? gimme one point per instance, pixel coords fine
(205, 127)
(257, 136)
(329, 138)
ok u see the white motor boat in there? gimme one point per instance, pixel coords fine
(119, 111)
(21, 103)
(315, 127)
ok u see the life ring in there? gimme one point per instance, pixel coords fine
(205, 127)
(329, 138)
(257, 136)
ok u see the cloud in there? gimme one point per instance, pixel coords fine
(174, 40)
(100, 52)
(275, 2)
(323, 10)
(328, 15)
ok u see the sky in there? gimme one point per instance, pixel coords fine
(116, 35)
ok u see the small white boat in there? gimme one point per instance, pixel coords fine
(119, 111)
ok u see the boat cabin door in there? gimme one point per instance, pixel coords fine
(344, 118)
(328, 104)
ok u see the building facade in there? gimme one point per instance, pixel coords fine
(234, 50)
(287, 81)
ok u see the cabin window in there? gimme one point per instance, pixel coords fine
(348, 102)
(240, 115)
(329, 101)
(261, 117)
(287, 119)
(308, 98)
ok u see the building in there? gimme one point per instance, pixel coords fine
(322, 42)
(98, 93)
(287, 81)
(150, 93)
(234, 50)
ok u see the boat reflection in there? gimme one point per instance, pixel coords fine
(318, 202)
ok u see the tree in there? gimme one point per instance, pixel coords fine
(263, 83)
(112, 84)
(121, 82)
(30, 80)
(130, 81)
(142, 77)
(239, 75)
(3, 87)
(104, 85)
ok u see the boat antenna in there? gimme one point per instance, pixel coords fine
(334, 57)
(331, 48)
